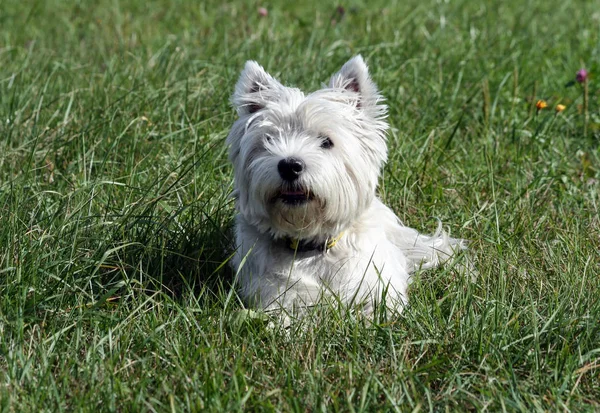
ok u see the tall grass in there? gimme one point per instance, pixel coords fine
(115, 216)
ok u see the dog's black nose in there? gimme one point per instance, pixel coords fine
(290, 168)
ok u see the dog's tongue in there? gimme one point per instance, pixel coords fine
(292, 192)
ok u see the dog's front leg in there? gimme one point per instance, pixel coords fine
(292, 296)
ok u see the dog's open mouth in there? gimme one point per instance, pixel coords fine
(294, 196)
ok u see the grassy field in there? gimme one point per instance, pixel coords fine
(115, 220)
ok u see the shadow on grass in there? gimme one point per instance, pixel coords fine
(184, 251)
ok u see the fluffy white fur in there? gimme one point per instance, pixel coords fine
(376, 253)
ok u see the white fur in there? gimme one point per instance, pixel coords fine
(376, 253)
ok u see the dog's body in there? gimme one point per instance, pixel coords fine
(309, 222)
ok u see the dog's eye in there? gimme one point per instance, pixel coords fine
(268, 138)
(326, 142)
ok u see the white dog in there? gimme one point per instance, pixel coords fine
(309, 222)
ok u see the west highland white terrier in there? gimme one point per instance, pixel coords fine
(309, 222)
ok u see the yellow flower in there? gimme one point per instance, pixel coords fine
(541, 104)
(560, 108)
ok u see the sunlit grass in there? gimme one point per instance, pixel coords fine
(115, 215)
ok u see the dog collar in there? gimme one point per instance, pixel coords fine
(301, 245)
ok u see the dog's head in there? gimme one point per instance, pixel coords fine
(306, 166)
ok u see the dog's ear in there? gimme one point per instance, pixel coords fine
(254, 89)
(354, 77)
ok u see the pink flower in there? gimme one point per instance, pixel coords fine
(263, 12)
(581, 76)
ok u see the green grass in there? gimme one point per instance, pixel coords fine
(115, 220)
